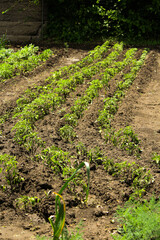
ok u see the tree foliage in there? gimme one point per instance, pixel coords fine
(84, 20)
(72, 20)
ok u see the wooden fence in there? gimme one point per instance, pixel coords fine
(22, 21)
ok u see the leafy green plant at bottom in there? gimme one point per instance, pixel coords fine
(58, 225)
(139, 221)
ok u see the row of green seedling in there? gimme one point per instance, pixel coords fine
(132, 174)
(5, 53)
(21, 54)
(135, 176)
(120, 138)
(92, 56)
(40, 106)
(22, 61)
(92, 91)
(64, 86)
(111, 103)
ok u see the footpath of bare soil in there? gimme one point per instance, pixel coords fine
(139, 109)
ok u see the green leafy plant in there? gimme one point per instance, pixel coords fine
(71, 119)
(67, 133)
(26, 202)
(139, 220)
(111, 103)
(55, 158)
(23, 60)
(81, 149)
(126, 139)
(95, 155)
(10, 173)
(4, 53)
(25, 136)
(156, 159)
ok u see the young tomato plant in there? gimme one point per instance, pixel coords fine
(55, 158)
(67, 133)
(10, 173)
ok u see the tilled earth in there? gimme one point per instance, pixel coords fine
(139, 109)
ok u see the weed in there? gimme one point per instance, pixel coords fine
(3, 41)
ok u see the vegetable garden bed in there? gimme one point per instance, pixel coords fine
(79, 113)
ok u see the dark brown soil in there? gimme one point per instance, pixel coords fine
(139, 109)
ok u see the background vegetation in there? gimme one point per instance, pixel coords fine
(82, 20)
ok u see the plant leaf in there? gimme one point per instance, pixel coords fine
(69, 179)
(58, 225)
